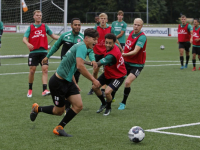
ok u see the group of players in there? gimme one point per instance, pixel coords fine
(104, 45)
(187, 36)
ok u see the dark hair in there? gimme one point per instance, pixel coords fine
(111, 36)
(91, 33)
(196, 19)
(75, 19)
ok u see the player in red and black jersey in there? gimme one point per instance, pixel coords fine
(184, 38)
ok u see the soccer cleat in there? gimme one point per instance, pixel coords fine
(186, 65)
(182, 67)
(29, 94)
(107, 111)
(113, 100)
(102, 107)
(194, 69)
(122, 106)
(90, 92)
(46, 92)
(34, 112)
(58, 130)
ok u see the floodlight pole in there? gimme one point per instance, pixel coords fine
(65, 15)
(21, 11)
(147, 12)
(40, 5)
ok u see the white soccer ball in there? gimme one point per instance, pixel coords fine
(162, 47)
(49, 46)
(136, 134)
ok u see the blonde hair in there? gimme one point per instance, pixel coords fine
(37, 11)
(103, 15)
(139, 19)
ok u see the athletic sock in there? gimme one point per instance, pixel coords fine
(187, 59)
(102, 90)
(68, 117)
(46, 109)
(102, 99)
(44, 87)
(126, 94)
(108, 106)
(30, 86)
(194, 62)
(181, 60)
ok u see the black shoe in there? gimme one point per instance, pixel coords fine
(107, 112)
(102, 107)
(103, 93)
(91, 92)
(34, 112)
(58, 130)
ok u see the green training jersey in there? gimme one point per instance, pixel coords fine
(48, 31)
(68, 39)
(67, 67)
(1, 25)
(117, 27)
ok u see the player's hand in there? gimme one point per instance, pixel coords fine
(191, 41)
(78, 87)
(196, 40)
(124, 54)
(94, 64)
(96, 83)
(30, 46)
(45, 61)
(177, 42)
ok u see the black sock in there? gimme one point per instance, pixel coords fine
(67, 118)
(194, 62)
(187, 59)
(44, 87)
(102, 90)
(67, 104)
(46, 109)
(126, 94)
(102, 99)
(181, 60)
(108, 106)
(30, 86)
(113, 94)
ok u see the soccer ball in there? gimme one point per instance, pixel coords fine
(49, 46)
(136, 134)
(162, 47)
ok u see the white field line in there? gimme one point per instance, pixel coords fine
(171, 133)
(157, 130)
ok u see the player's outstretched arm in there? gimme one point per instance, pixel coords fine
(54, 36)
(134, 52)
(92, 63)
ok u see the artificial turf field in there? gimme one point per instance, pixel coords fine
(162, 96)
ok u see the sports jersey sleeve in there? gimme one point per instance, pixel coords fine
(27, 33)
(81, 52)
(124, 27)
(141, 41)
(91, 55)
(190, 28)
(48, 30)
(95, 27)
(1, 25)
(109, 59)
(56, 46)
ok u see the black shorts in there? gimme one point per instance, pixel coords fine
(196, 50)
(61, 89)
(36, 58)
(122, 45)
(113, 83)
(98, 57)
(134, 70)
(185, 45)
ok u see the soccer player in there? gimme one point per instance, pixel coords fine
(119, 28)
(1, 31)
(114, 73)
(134, 57)
(61, 85)
(184, 38)
(99, 48)
(96, 19)
(36, 40)
(68, 39)
(196, 43)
